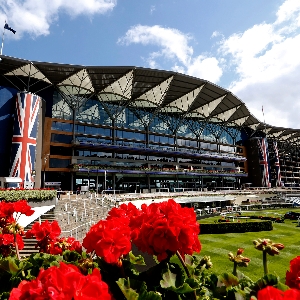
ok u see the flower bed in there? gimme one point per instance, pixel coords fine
(31, 195)
(104, 267)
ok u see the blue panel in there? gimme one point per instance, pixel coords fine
(7, 108)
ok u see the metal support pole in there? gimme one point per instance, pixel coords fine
(45, 163)
(44, 176)
(2, 44)
(73, 143)
(97, 189)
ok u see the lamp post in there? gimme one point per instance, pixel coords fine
(88, 179)
(45, 162)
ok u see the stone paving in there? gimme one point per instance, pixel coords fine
(76, 213)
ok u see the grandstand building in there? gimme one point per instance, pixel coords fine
(133, 129)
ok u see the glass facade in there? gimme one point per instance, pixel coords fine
(121, 139)
(143, 127)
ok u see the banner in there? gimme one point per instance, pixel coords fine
(264, 161)
(277, 165)
(25, 130)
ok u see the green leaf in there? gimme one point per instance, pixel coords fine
(13, 268)
(127, 291)
(71, 256)
(228, 280)
(4, 295)
(189, 259)
(4, 265)
(149, 296)
(267, 280)
(136, 260)
(145, 295)
(169, 282)
(282, 286)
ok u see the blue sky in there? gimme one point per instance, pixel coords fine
(248, 47)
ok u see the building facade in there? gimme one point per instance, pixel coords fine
(133, 129)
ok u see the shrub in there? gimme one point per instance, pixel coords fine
(231, 227)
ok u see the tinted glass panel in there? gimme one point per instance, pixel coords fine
(61, 138)
(59, 163)
(60, 151)
(61, 126)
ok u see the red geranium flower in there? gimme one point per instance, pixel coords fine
(47, 234)
(6, 239)
(165, 228)
(272, 293)
(92, 287)
(23, 208)
(65, 282)
(6, 209)
(46, 229)
(124, 210)
(292, 278)
(110, 239)
(62, 244)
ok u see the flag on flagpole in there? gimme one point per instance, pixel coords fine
(264, 161)
(9, 28)
(277, 165)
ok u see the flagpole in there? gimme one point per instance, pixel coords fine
(266, 143)
(262, 108)
(2, 40)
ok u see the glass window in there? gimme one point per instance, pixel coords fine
(130, 120)
(79, 129)
(92, 140)
(57, 150)
(93, 112)
(160, 126)
(61, 138)
(59, 163)
(60, 108)
(61, 126)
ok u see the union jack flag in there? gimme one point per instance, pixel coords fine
(277, 164)
(24, 136)
(264, 161)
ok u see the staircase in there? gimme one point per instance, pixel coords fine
(75, 216)
(29, 244)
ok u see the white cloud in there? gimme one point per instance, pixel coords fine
(152, 9)
(205, 68)
(288, 11)
(172, 41)
(266, 60)
(174, 46)
(36, 16)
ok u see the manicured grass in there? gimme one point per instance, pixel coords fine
(217, 246)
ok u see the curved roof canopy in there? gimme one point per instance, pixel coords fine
(166, 91)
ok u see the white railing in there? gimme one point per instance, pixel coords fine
(78, 232)
(187, 189)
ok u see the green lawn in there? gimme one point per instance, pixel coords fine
(217, 246)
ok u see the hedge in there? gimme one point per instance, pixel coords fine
(35, 195)
(229, 227)
(273, 219)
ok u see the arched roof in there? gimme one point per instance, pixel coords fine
(166, 91)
